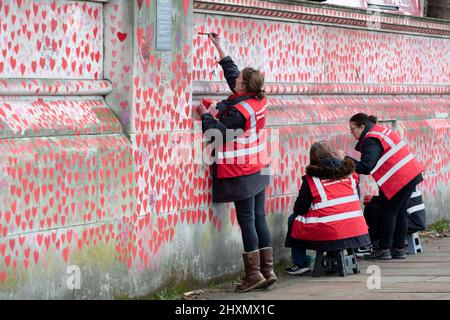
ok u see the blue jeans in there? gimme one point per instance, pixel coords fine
(251, 217)
(298, 253)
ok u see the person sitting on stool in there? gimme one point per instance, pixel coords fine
(327, 213)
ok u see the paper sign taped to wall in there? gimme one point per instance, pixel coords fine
(163, 24)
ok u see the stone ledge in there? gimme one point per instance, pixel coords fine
(326, 14)
(54, 87)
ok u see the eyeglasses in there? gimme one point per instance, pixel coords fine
(351, 129)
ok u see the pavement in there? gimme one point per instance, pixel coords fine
(425, 276)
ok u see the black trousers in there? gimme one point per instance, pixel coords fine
(393, 226)
(251, 217)
(373, 213)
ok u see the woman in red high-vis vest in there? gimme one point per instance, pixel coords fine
(386, 157)
(327, 214)
(240, 158)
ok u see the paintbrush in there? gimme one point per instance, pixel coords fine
(208, 33)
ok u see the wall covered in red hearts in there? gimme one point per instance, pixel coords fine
(51, 39)
(66, 168)
(100, 162)
(327, 65)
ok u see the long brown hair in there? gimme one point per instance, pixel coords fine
(254, 81)
(363, 119)
(319, 151)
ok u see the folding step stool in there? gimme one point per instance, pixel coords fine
(341, 262)
(414, 245)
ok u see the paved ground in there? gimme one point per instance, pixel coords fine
(422, 276)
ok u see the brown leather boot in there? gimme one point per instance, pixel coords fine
(253, 278)
(266, 258)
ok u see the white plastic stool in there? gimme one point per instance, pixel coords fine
(414, 245)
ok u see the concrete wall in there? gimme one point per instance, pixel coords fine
(98, 170)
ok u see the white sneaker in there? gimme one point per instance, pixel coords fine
(295, 269)
(363, 251)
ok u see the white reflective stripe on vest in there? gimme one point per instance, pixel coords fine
(385, 137)
(246, 140)
(416, 193)
(394, 169)
(387, 155)
(251, 113)
(335, 202)
(334, 217)
(355, 190)
(252, 138)
(320, 189)
(241, 152)
(416, 208)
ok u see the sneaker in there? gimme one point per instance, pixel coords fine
(363, 251)
(296, 269)
(380, 254)
(398, 253)
(376, 244)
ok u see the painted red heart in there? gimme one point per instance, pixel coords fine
(66, 253)
(12, 62)
(186, 6)
(121, 36)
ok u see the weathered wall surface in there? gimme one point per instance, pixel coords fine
(65, 165)
(98, 167)
(51, 39)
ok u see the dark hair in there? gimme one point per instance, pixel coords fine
(363, 119)
(253, 80)
(319, 151)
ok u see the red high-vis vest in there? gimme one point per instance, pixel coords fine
(247, 153)
(397, 166)
(335, 212)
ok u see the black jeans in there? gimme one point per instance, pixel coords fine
(251, 217)
(393, 227)
(373, 213)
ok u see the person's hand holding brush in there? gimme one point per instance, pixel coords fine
(217, 41)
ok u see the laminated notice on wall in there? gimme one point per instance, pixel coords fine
(163, 24)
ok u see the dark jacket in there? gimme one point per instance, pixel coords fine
(238, 188)
(371, 152)
(330, 168)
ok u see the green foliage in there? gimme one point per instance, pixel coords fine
(170, 293)
(279, 268)
(440, 225)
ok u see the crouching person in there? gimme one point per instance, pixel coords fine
(327, 213)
